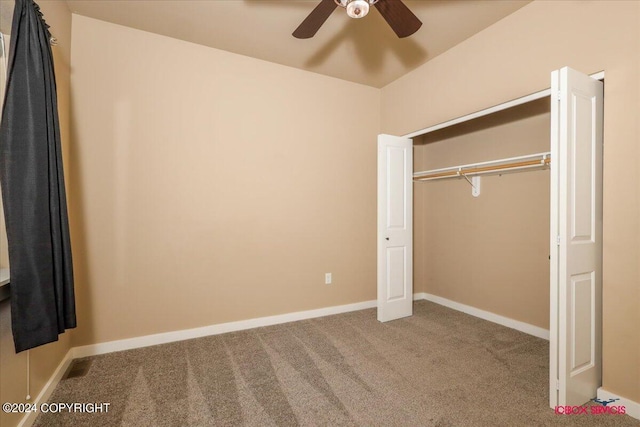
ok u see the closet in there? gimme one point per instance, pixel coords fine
(501, 211)
(488, 250)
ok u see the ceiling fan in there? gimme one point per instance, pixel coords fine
(397, 14)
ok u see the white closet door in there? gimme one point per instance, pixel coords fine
(395, 227)
(576, 231)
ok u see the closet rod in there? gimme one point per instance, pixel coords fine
(498, 166)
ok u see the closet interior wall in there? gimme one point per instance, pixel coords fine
(489, 252)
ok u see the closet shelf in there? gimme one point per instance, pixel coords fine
(512, 164)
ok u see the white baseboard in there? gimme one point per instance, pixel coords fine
(167, 337)
(487, 315)
(631, 408)
(48, 388)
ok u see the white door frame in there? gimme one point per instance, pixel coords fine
(553, 303)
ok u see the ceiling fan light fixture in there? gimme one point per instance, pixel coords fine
(357, 8)
(401, 20)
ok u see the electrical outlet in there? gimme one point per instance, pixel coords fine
(327, 278)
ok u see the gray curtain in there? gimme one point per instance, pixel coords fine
(35, 207)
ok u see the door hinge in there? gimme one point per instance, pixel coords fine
(558, 96)
(557, 384)
(558, 240)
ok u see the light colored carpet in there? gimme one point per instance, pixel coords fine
(439, 367)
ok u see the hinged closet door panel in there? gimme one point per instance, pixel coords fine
(577, 163)
(395, 227)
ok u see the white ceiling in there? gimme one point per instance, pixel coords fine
(365, 51)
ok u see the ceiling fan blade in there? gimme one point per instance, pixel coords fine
(314, 21)
(399, 17)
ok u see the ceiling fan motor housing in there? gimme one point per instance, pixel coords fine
(356, 8)
(395, 12)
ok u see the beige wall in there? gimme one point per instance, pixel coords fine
(489, 252)
(44, 360)
(213, 187)
(4, 255)
(515, 57)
